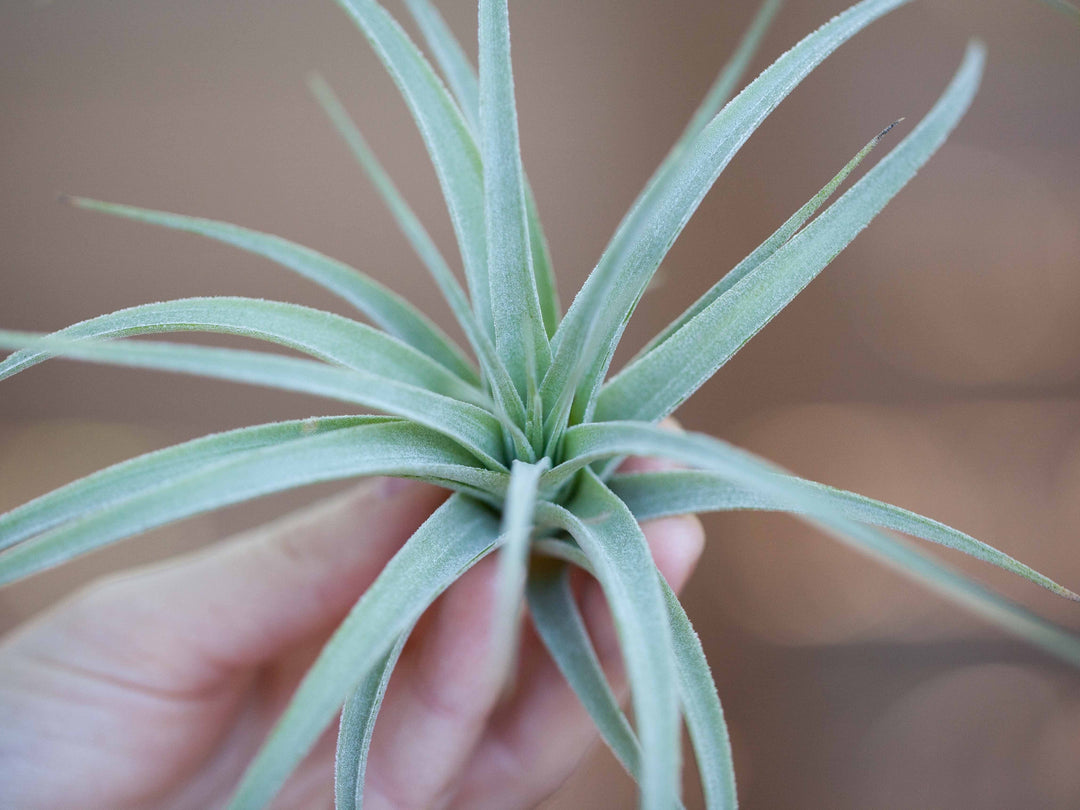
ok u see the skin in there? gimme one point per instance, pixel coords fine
(154, 688)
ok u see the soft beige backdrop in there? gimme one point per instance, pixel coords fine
(934, 364)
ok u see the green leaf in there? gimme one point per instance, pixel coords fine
(766, 249)
(611, 539)
(449, 142)
(543, 270)
(382, 448)
(679, 492)
(385, 308)
(461, 76)
(601, 309)
(595, 442)
(723, 87)
(558, 621)
(136, 476)
(655, 384)
(319, 334)
(472, 427)
(451, 58)
(517, 526)
(459, 534)
(701, 707)
(502, 386)
(356, 727)
(515, 304)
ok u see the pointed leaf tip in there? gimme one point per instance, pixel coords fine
(889, 128)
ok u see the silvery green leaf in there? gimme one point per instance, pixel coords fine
(556, 617)
(611, 539)
(678, 492)
(701, 707)
(723, 87)
(381, 448)
(656, 383)
(601, 309)
(470, 426)
(502, 386)
(356, 727)
(451, 58)
(136, 476)
(385, 308)
(517, 527)
(766, 249)
(595, 442)
(461, 76)
(515, 303)
(454, 538)
(316, 333)
(558, 621)
(449, 143)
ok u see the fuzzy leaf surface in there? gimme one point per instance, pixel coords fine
(559, 623)
(766, 249)
(449, 143)
(586, 337)
(461, 77)
(473, 427)
(658, 382)
(595, 442)
(381, 448)
(385, 308)
(678, 492)
(356, 727)
(701, 707)
(319, 334)
(515, 303)
(517, 526)
(138, 475)
(612, 540)
(501, 385)
(454, 538)
(572, 650)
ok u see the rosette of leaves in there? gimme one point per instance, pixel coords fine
(528, 427)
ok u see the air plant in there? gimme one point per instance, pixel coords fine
(529, 430)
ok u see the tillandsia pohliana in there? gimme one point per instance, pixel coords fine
(526, 427)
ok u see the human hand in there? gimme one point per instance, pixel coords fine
(155, 688)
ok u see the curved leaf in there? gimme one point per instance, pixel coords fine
(517, 527)
(386, 448)
(558, 621)
(449, 142)
(502, 386)
(601, 309)
(515, 303)
(459, 534)
(461, 76)
(656, 383)
(320, 334)
(469, 425)
(766, 249)
(595, 442)
(356, 727)
(559, 624)
(611, 539)
(679, 492)
(385, 308)
(138, 475)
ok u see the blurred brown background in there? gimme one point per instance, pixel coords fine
(935, 364)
